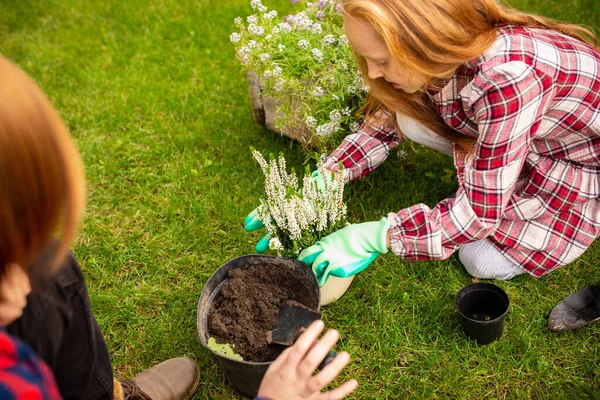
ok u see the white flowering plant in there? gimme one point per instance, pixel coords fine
(307, 65)
(297, 217)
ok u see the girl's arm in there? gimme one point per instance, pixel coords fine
(363, 151)
(507, 103)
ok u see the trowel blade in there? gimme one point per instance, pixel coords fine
(292, 319)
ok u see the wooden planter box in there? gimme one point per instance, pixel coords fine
(265, 112)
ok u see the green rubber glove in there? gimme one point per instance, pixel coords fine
(348, 251)
(253, 223)
(318, 179)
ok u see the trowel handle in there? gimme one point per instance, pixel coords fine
(328, 358)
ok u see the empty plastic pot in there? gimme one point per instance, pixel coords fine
(482, 307)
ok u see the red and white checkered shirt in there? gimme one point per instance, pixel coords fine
(532, 184)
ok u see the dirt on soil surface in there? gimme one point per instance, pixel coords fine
(245, 308)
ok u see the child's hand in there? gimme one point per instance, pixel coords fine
(347, 251)
(14, 288)
(290, 377)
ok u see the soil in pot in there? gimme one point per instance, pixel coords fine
(245, 309)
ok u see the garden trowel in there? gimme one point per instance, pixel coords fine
(292, 319)
(576, 310)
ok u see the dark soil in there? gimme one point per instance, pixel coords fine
(245, 308)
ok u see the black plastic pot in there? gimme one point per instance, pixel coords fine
(246, 376)
(482, 307)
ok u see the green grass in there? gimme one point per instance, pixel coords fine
(160, 111)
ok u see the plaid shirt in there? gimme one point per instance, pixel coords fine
(532, 184)
(23, 375)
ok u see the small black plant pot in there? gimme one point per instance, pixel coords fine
(482, 307)
(246, 376)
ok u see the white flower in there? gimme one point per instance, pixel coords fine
(290, 212)
(252, 44)
(324, 130)
(347, 111)
(335, 116)
(271, 14)
(317, 28)
(262, 8)
(401, 154)
(317, 54)
(285, 27)
(335, 97)
(280, 47)
(238, 21)
(256, 30)
(328, 129)
(351, 89)
(343, 39)
(329, 39)
(234, 37)
(275, 244)
(252, 19)
(303, 44)
(265, 57)
(273, 73)
(275, 30)
(243, 54)
(301, 21)
(311, 121)
(354, 127)
(255, 3)
(318, 92)
(279, 86)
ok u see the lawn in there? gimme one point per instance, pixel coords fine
(160, 110)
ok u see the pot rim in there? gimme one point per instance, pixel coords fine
(481, 287)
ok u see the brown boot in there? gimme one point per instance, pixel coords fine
(174, 379)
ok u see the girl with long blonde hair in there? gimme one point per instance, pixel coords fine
(513, 97)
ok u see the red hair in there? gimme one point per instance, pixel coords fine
(42, 186)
